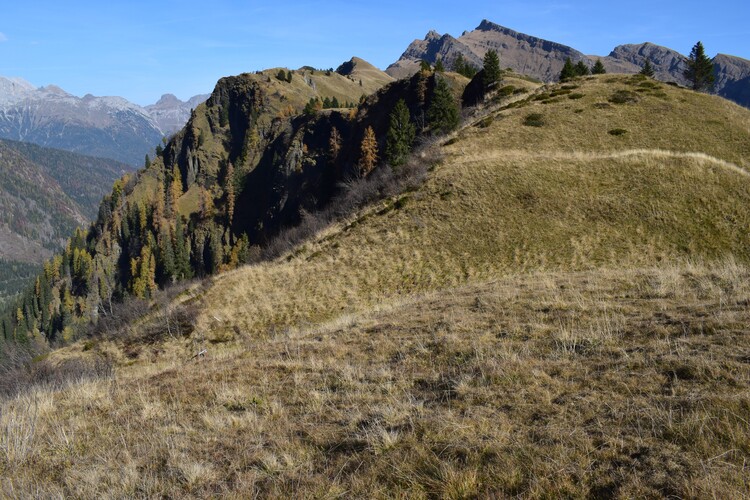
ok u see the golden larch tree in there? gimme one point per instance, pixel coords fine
(369, 152)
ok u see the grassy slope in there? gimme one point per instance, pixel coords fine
(524, 323)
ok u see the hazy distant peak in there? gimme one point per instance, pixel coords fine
(20, 82)
(168, 100)
(54, 89)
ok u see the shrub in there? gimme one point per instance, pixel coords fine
(623, 97)
(617, 131)
(576, 95)
(485, 122)
(534, 120)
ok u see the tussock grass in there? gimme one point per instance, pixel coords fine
(620, 382)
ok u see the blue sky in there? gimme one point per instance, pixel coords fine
(140, 50)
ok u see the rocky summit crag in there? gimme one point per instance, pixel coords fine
(544, 59)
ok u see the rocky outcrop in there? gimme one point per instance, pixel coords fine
(522, 53)
(668, 64)
(732, 78)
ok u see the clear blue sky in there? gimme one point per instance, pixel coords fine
(140, 50)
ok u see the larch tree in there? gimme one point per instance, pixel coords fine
(368, 152)
(229, 188)
(334, 144)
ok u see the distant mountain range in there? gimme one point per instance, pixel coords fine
(108, 127)
(171, 114)
(544, 59)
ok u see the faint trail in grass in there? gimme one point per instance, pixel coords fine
(605, 155)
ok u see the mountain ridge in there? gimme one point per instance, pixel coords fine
(544, 59)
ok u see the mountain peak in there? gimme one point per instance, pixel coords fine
(168, 100)
(54, 89)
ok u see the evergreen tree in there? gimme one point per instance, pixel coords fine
(700, 69)
(463, 67)
(581, 69)
(568, 72)
(491, 69)
(289, 76)
(425, 66)
(400, 135)
(647, 70)
(335, 103)
(368, 152)
(598, 68)
(439, 66)
(442, 117)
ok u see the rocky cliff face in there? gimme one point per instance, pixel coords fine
(524, 54)
(732, 78)
(544, 59)
(668, 64)
(433, 47)
(108, 127)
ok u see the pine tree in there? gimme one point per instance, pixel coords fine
(439, 66)
(647, 70)
(442, 117)
(700, 69)
(598, 68)
(491, 69)
(369, 152)
(425, 66)
(400, 135)
(581, 69)
(568, 72)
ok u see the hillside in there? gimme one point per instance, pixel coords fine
(544, 59)
(44, 195)
(559, 309)
(247, 164)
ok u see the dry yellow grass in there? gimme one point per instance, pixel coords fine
(616, 383)
(556, 312)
